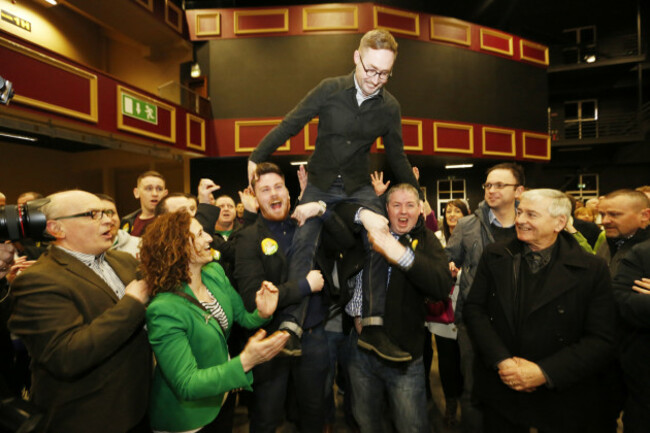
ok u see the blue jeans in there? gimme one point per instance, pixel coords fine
(307, 239)
(337, 342)
(306, 373)
(379, 387)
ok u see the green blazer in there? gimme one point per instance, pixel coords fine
(194, 370)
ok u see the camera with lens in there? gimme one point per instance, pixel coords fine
(6, 91)
(23, 221)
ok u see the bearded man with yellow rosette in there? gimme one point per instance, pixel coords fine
(263, 254)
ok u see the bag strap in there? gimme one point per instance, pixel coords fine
(195, 301)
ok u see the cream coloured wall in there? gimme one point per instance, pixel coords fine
(73, 36)
(134, 65)
(58, 29)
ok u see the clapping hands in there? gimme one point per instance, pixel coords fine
(266, 299)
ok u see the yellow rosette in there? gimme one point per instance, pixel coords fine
(269, 246)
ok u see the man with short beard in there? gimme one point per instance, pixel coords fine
(263, 253)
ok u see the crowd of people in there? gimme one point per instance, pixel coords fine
(167, 319)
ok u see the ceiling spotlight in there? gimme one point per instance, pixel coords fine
(298, 162)
(52, 2)
(452, 166)
(590, 58)
(195, 70)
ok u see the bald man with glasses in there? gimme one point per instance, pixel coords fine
(353, 111)
(80, 312)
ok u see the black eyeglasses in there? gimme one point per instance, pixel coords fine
(95, 214)
(498, 185)
(374, 73)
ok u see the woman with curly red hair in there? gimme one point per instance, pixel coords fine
(189, 321)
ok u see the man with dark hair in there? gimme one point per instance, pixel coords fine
(262, 254)
(492, 221)
(122, 241)
(150, 189)
(226, 223)
(176, 201)
(542, 319)
(80, 313)
(625, 214)
(353, 110)
(631, 290)
(418, 269)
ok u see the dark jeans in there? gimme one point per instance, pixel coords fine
(451, 377)
(307, 238)
(307, 374)
(380, 387)
(471, 414)
(338, 367)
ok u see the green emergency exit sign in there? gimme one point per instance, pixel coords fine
(139, 109)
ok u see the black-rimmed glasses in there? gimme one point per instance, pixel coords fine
(498, 185)
(372, 73)
(95, 214)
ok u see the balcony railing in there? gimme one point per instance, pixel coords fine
(187, 98)
(623, 127)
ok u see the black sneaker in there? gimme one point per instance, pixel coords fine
(293, 346)
(374, 338)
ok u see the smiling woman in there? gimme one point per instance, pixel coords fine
(189, 321)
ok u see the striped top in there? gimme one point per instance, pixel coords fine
(102, 268)
(216, 311)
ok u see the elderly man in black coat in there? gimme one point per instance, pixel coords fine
(541, 316)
